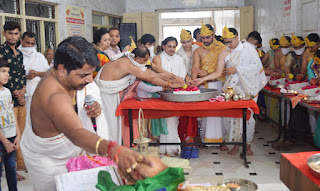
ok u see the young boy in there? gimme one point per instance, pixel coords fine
(9, 130)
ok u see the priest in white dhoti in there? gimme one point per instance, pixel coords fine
(205, 62)
(35, 65)
(245, 74)
(117, 82)
(173, 63)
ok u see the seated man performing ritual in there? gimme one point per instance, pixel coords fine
(117, 81)
(205, 60)
(55, 133)
(244, 73)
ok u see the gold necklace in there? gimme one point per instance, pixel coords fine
(74, 101)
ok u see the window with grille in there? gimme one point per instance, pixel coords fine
(9, 6)
(39, 10)
(50, 35)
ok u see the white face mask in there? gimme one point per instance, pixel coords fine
(151, 50)
(285, 51)
(299, 52)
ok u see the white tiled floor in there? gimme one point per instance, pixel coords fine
(263, 170)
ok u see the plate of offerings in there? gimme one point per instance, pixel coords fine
(290, 93)
(191, 94)
(235, 184)
(311, 99)
(313, 163)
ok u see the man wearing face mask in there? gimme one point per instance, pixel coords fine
(149, 41)
(254, 38)
(280, 57)
(188, 126)
(294, 58)
(312, 44)
(35, 65)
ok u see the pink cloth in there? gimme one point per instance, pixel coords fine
(219, 99)
(84, 162)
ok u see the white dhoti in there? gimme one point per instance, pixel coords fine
(249, 79)
(233, 127)
(46, 157)
(171, 137)
(212, 130)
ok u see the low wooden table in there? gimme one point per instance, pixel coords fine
(295, 174)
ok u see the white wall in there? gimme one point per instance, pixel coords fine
(106, 6)
(152, 5)
(271, 22)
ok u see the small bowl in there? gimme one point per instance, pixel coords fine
(233, 185)
(246, 185)
(313, 163)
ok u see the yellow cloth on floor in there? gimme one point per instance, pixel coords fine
(176, 162)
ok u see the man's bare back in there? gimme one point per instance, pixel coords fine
(122, 67)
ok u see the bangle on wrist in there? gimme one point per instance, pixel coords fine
(97, 146)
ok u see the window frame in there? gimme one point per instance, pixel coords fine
(23, 17)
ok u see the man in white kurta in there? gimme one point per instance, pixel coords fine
(173, 63)
(35, 65)
(244, 73)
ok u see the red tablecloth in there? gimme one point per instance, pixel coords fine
(158, 108)
(277, 90)
(295, 173)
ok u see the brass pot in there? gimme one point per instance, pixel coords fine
(230, 91)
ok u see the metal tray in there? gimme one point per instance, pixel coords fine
(311, 100)
(204, 95)
(315, 159)
(245, 185)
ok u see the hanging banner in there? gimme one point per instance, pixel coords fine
(287, 8)
(75, 21)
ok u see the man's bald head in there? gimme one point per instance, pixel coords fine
(49, 54)
(141, 51)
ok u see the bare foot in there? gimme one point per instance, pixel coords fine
(234, 150)
(224, 148)
(249, 151)
(19, 168)
(20, 177)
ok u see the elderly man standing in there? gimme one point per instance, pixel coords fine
(17, 82)
(49, 54)
(35, 65)
(205, 61)
(173, 63)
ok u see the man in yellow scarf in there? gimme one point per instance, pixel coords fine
(205, 60)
